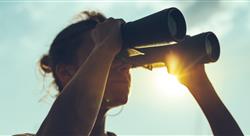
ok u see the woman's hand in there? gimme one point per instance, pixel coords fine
(107, 35)
(195, 78)
(188, 72)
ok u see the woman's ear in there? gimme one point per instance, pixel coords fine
(64, 73)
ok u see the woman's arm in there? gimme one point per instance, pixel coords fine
(218, 116)
(74, 112)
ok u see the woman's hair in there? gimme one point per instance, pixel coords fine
(64, 47)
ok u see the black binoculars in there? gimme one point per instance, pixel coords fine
(156, 35)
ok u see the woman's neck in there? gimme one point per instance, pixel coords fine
(99, 127)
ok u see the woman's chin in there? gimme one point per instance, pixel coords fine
(118, 101)
(118, 94)
(124, 100)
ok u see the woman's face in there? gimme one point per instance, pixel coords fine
(118, 83)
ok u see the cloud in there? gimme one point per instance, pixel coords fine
(214, 16)
(248, 20)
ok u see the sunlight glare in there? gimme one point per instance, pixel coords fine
(168, 84)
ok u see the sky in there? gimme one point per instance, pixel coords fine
(27, 29)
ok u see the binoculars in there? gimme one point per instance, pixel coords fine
(155, 36)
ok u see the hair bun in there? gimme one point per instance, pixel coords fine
(89, 15)
(45, 64)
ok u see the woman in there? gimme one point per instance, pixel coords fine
(91, 80)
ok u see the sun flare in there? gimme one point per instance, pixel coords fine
(168, 84)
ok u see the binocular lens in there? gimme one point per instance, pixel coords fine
(208, 46)
(172, 25)
(212, 47)
(176, 24)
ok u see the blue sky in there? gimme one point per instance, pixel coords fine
(28, 28)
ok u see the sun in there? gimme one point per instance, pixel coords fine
(168, 84)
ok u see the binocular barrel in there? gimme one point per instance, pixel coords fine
(201, 48)
(204, 46)
(164, 26)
